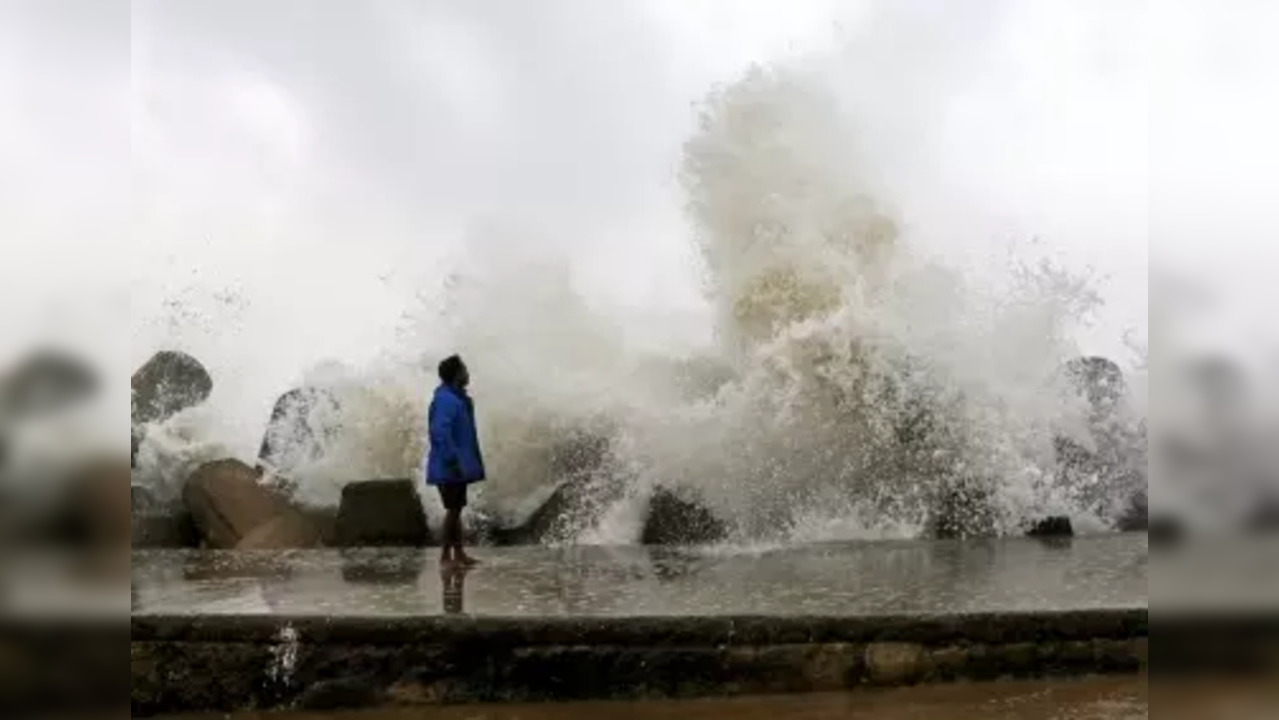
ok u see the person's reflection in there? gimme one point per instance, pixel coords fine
(453, 581)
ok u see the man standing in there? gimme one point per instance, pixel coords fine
(454, 461)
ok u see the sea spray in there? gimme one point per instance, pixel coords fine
(854, 386)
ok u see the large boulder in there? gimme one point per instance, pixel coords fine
(546, 522)
(43, 382)
(301, 426)
(168, 383)
(584, 484)
(1053, 526)
(381, 513)
(232, 509)
(674, 520)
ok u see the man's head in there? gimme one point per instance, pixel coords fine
(453, 372)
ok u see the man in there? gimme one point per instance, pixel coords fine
(454, 461)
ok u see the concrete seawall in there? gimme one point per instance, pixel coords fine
(383, 628)
(238, 662)
(249, 631)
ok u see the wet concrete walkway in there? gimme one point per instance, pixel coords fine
(1117, 698)
(898, 578)
(1102, 699)
(369, 628)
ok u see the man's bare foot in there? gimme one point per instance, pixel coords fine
(466, 560)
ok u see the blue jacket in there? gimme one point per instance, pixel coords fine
(455, 445)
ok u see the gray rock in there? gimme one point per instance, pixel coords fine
(300, 428)
(381, 513)
(167, 384)
(543, 524)
(673, 520)
(1056, 526)
(585, 483)
(44, 382)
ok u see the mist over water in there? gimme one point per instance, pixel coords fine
(813, 364)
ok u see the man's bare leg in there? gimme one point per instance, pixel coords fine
(459, 555)
(452, 525)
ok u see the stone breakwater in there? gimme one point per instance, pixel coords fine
(232, 663)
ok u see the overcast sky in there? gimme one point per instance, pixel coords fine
(301, 167)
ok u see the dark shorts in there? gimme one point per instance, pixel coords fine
(453, 495)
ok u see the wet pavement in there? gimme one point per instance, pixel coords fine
(846, 579)
(1104, 699)
(1117, 698)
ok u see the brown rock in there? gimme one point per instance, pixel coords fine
(288, 530)
(381, 513)
(230, 507)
